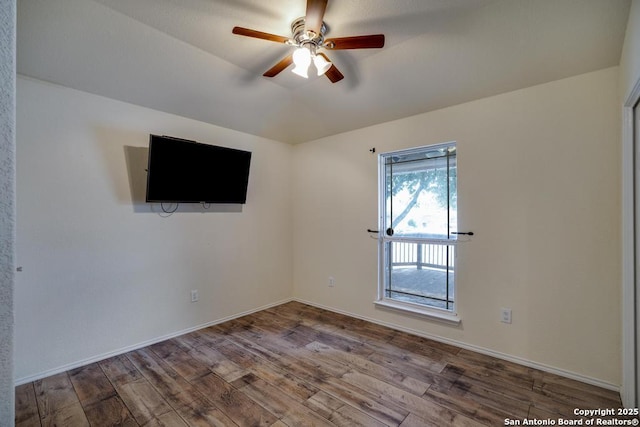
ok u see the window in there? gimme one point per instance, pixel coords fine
(418, 225)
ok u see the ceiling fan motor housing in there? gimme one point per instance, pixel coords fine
(302, 37)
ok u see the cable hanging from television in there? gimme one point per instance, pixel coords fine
(168, 211)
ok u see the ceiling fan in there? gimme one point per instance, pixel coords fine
(308, 37)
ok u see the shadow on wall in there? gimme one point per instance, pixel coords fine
(136, 162)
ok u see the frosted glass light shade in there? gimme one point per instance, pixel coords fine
(301, 71)
(302, 56)
(322, 65)
(302, 60)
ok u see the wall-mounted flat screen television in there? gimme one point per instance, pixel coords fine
(182, 171)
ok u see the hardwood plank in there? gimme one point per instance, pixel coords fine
(488, 366)
(562, 405)
(143, 401)
(285, 381)
(324, 317)
(168, 419)
(489, 362)
(348, 416)
(512, 390)
(370, 368)
(185, 365)
(166, 348)
(339, 413)
(242, 356)
(120, 371)
(54, 393)
(176, 390)
(416, 344)
(290, 312)
(212, 335)
(358, 329)
(373, 405)
(541, 414)
(70, 415)
(283, 406)
(300, 335)
(345, 344)
(378, 387)
(217, 362)
(202, 413)
(415, 421)
(91, 384)
(109, 412)
(234, 404)
(33, 421)
(324, 404)
(470, 408)
(272, 322)
(26, 406)
(587, 395)
(193, 340)
(486, 377)
(435, 414)
(420, 369)
(492, 398)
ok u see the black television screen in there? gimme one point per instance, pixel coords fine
(191, 172)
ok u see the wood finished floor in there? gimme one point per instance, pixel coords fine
(296, 365)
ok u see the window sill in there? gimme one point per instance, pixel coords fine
(445, 317)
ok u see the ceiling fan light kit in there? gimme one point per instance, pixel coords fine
(307, 37)
(302, 58)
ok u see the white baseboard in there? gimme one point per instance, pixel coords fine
(477, 349)
(103, 356)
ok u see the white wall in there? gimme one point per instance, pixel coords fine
(538, 183)
(7, 205)
(101, 270)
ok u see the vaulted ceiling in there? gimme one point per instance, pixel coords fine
(179, 56)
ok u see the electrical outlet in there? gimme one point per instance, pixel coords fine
(331, 282)
(194, 295)
(505, 315)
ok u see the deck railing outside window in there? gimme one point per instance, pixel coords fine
(420, 255)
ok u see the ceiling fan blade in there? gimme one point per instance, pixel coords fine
(332, 73)
(372, 41)
(276, 69)
(259, 35)
(315, 14)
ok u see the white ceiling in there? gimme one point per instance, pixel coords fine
(180, 56)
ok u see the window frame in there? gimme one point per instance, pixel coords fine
(434, 313)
